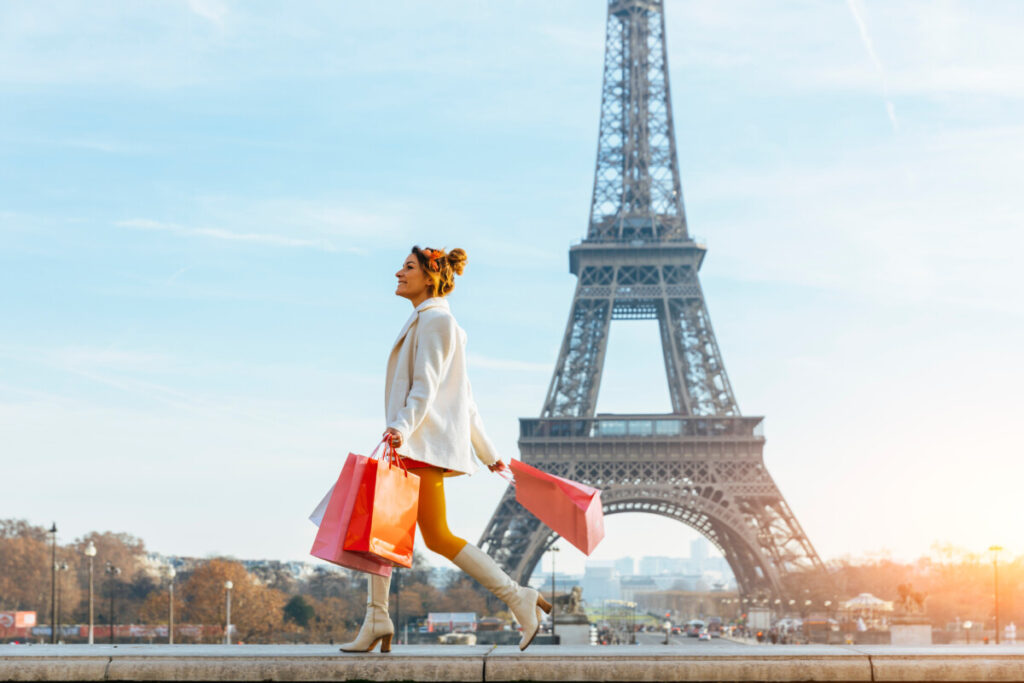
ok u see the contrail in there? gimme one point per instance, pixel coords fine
(857, 9)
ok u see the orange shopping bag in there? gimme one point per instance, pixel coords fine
(383, 523)
(329, 542)
(571, 509)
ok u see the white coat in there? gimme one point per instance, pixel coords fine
(427, 397)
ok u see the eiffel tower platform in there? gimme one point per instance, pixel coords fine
(647, 662)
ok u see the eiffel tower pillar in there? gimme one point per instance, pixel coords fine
(702, 464)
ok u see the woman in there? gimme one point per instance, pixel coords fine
(433, 422)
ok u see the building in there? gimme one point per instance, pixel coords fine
(600, 582)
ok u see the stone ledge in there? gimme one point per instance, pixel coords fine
(723, 662)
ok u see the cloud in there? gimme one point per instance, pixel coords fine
(857, 10)
(877, 222)
(228, 235)
(211, 10)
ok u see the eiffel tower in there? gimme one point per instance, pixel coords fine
(702, 463)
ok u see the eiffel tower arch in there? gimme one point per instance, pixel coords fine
(702, 464)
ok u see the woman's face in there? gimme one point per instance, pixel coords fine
(412, 281)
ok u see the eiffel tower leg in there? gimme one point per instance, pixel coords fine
(674, 365)
(693, 343)
(574, 386)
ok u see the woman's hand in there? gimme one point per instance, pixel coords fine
(499, 466)
(396, 436)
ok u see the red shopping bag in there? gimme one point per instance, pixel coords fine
(571, 509)
(330, 538)
(383, 523)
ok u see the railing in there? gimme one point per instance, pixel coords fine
(644, 426)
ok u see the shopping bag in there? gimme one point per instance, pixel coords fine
(571, 509)
(383, 522)
(334, 521)
(317, 515)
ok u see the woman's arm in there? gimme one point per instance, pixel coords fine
(435, 347)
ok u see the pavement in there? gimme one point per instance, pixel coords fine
(682, 660)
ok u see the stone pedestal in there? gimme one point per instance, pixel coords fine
(573, 634)
(910, 631)
(572, 629)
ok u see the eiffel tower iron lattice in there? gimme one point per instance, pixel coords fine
(702, 464)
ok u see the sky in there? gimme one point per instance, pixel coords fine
(203, 204)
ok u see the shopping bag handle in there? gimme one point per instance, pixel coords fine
(391, 454)
(386, 439)
(506, 475)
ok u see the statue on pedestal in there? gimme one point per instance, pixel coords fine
(909, 624)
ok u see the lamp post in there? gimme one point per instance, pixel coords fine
(995, 570)
(61, 567)
(967, 630)
(90, 552)
(111, 572)
(553, 550)
(170, 611)
(53, 586)
(227, 612)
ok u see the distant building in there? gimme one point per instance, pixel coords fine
(625, 566)
(451, 622)
(631, 587)
(653, 565)
(600, 581)
(564, 583)
(699, 548)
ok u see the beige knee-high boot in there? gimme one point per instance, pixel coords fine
(377, 626)
(524, 603)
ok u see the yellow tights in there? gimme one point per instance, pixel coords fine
(431, 516)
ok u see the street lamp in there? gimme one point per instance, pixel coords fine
(111, 571)
(61, 567)
(227, 612)
(170, 616)
(90, 552)
(995, 570)
(553, 550)
(53, 586)
(967, 630)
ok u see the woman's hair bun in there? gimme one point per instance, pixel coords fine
(457, 260)
(441, 268)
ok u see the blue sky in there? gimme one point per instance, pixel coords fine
(202, 205)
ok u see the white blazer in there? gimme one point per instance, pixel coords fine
(427, 397)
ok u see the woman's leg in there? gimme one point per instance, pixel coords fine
(432, 516)
(525, 603)
(377, 626)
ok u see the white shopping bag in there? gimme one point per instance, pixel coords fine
(317, 515)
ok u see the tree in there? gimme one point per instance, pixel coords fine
(155, 609)
(24, 568)
(298, 611)
(256, 611)
(462, 595)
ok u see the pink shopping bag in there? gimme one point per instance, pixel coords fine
(571, 509)
(330, 537)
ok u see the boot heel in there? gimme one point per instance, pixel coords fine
(385, 645)
(543, 604)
